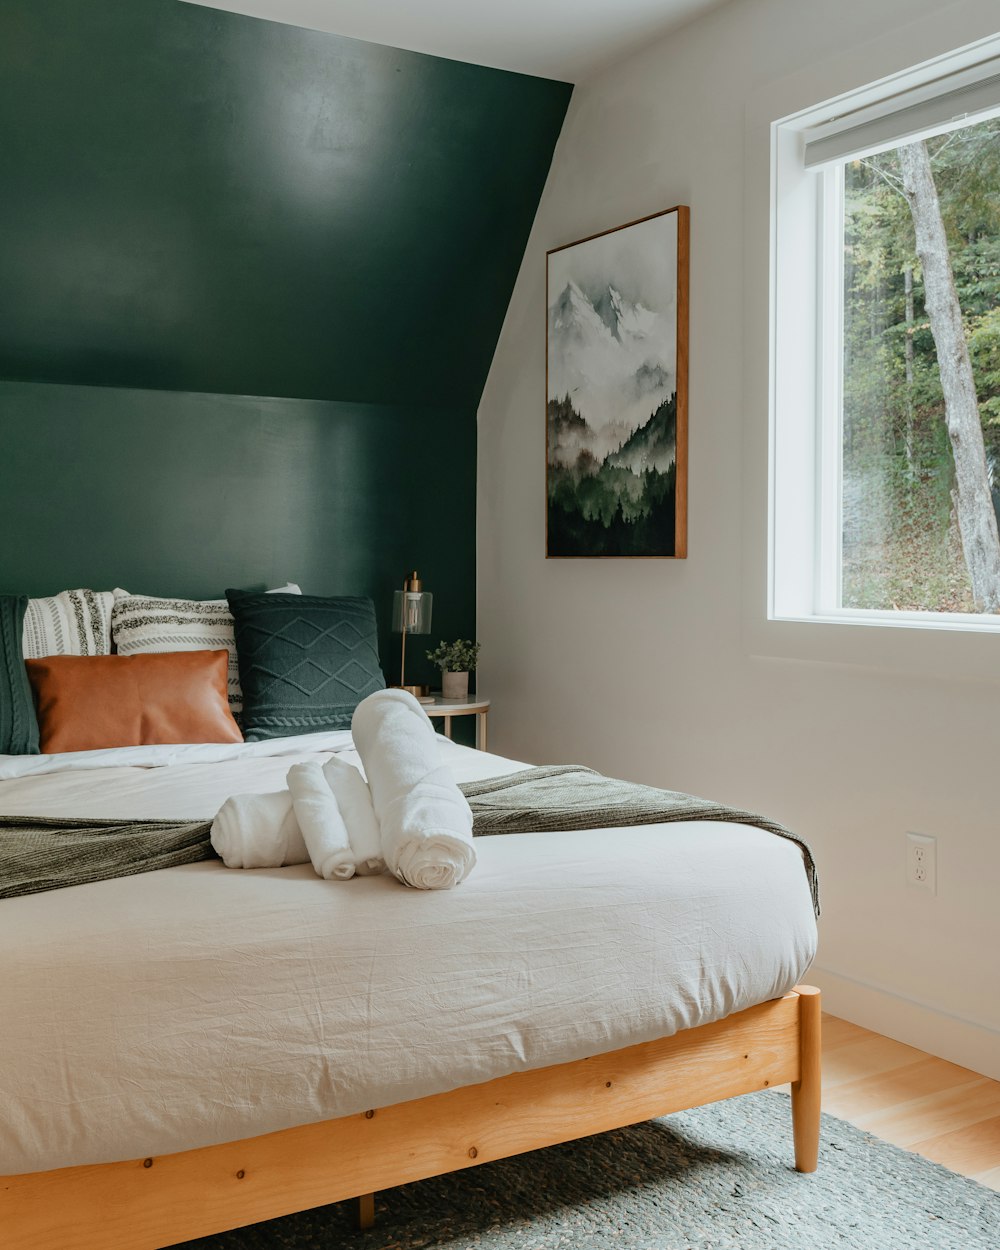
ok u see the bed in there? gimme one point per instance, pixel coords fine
(197, 1049)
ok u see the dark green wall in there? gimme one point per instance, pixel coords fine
(197, 207)
(187, 494)
(201, 201)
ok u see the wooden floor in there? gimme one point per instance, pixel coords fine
(926, 1105)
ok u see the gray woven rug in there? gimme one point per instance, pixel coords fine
(716, 1178)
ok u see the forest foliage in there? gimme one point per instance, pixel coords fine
(900, 543)
(600, 508)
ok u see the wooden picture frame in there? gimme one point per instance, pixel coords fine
(616, 391)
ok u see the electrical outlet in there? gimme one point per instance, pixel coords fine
(921, 862)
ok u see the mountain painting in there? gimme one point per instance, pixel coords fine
(616, 383)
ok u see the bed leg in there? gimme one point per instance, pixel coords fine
(366, 1211)
(806, 1090)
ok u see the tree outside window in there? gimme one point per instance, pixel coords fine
(920, 484)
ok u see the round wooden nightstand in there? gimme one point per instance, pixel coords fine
(445, 709)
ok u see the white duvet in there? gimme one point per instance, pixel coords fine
(195, 1005)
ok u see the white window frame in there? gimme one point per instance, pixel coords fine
(806, 321)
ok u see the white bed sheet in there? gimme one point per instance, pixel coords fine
(181, 1008)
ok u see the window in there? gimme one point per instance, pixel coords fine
(885, 455)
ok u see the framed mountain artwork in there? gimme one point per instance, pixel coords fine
(616, 391)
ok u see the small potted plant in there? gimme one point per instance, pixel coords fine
(455, 660)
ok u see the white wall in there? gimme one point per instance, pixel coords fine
(652, 670)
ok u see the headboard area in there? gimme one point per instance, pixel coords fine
(169, 493)
(202, 208)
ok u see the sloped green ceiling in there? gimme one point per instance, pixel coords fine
(199, 201)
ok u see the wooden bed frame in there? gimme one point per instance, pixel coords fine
(144, 1204)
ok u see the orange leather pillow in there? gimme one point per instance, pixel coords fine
(86, 702)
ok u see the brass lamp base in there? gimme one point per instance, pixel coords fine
(416, 691)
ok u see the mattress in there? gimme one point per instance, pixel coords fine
(196, 1005)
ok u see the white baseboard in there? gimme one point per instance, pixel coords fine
(966, 1042)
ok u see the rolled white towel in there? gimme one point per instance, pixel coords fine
(322, 825)
(355, 802)
(425, 821)
(258, 831)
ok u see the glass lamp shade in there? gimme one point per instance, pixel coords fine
(411, 611)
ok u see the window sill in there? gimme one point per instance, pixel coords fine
(964, 622)
(956, 650)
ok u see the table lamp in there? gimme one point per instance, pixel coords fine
(411, 614)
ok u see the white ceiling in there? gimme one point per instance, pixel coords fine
(564, 39)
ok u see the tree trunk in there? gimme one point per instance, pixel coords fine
(977, 521)
(908, 436)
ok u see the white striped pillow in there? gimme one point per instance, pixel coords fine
(147, 624)
(74, 622)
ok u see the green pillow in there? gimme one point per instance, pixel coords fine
(306, 662)
(18, 724)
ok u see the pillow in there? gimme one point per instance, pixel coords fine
(18, 726)
(74, 622)
(89, 702)
(306, 662)
(146, 625)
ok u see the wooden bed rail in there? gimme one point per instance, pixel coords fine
(144, 1204)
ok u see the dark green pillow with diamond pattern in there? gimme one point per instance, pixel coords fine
(18, 724)
(306, 662)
